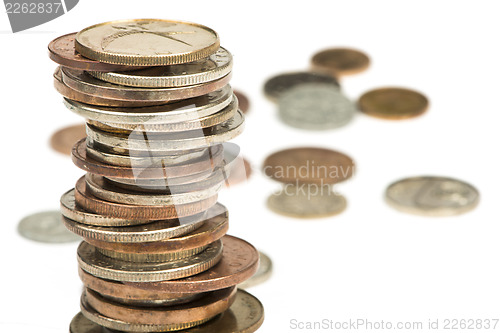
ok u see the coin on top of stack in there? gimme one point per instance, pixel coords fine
(159, 109)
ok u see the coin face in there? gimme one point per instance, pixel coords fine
(432, 196)
(306, 202)
(62, 51)
(340, 61)
(204, 70)
(243, 102)
(277, 85)
(393, 103)
(150, 42)
(308, 165)
(46, 227)
(263, 273)
(65, 138)
(315, 106)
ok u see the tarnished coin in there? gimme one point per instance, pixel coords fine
(97, 264)
(340, 61)
(315, 106)
(204, 70)
(277, 85)
(46, 227)
(147, 42)
(432, 196)
(393, 103)
(306, 201)
(243, 102)
(62, 51)
(64, 139)
(245, 315)
(308, 165)
(263, 273)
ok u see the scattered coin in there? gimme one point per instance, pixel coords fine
(243, 102)
(306, 201)
(393, 103)
(263, 273)
(340, 61)
(147, 42)
(46, 227)
(315, 106)
(64, 139)
(277, 85)
(308, 165)
(432, 196)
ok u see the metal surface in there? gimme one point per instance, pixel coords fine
(393, 103)
(340, 61)
(46, 227)
(279, 84)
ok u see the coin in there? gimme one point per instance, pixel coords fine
(393, 103)
(263, 273)
(204, 70)
(243, 102)
(239, 262)
(340, 61)
(87, 84)
(315, 106)
(62, 51)
(65, 138)
(239, 171)
(309, 201)
(93, 262)
(151, 257)
(206, 307)
(45, 227)
(245, 315)
(432, 196)
(277, 85)
(308, 165)
(175, 112)
(149, 42)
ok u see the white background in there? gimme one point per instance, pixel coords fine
(369, 262)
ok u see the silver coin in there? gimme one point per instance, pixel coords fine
(46, 227)
(263, 273)
(315, 106)
(279, 84)
(432, 196)
(306, 201)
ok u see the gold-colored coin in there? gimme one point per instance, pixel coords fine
(147, 42)
(393, 103)
(340, 61)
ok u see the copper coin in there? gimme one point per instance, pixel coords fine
(340, 61)
(393, 103)
(87, 84)
(243, 102)
(239, 172)
(308, 165)
(62, 51)
(86, 163)
(203, 308)
(75, 95)
(239, 262)
(125, 292)
(212, 229)
(65, 138)
(161, 212)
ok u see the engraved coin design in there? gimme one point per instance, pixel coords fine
(277, 85)
(46, 227)
(208, 69)
(306, 201)
(64, 139)
(432, 196)
(308, 165)
(263, 273)
(147, 42)
(340, 61)
(315, 106)
(393, 103)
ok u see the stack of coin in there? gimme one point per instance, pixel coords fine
(158, 112)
